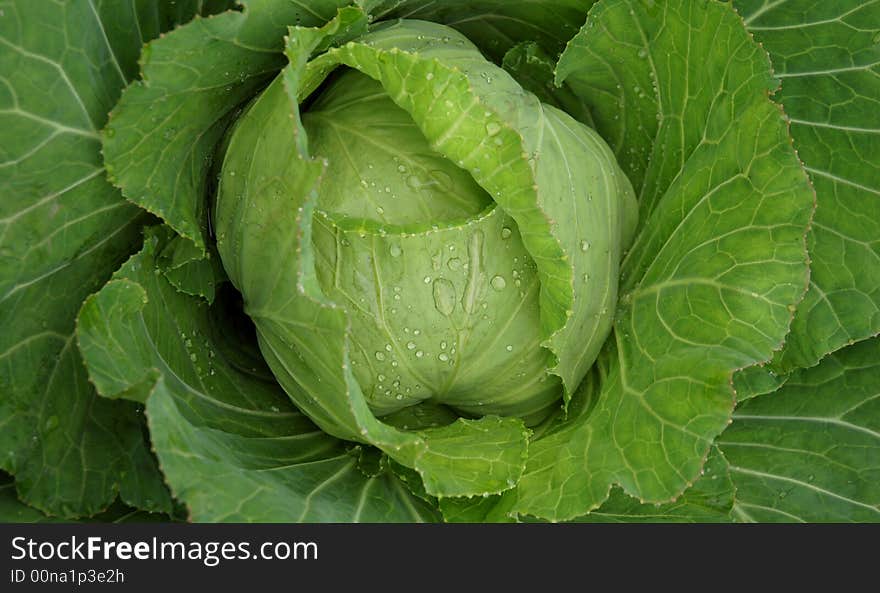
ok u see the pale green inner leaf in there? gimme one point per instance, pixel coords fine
(380, 166)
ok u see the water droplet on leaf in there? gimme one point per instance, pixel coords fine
(444, 296)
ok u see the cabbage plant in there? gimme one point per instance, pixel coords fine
(408, 260)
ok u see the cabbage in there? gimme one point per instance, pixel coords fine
(406, 260)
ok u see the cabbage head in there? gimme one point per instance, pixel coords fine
(456, 255)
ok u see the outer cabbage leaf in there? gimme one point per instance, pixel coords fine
(63, 230)
(478, 509)
(709, 500)
(827, 55)
(12, 510)
(163, 131)
(757, 380)
(811, 451)
(680, 92)
(230, 444)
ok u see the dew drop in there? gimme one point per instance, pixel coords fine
(440, 179)
(380, 356)
(475, 272)
(410, 345)
(443, 357)
(492, 128)
(498, 282)
(395, 250)
(509, 348)
(585, 245)
(505, 233)
(444, 296)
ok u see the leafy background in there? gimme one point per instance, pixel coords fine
(808, 451)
